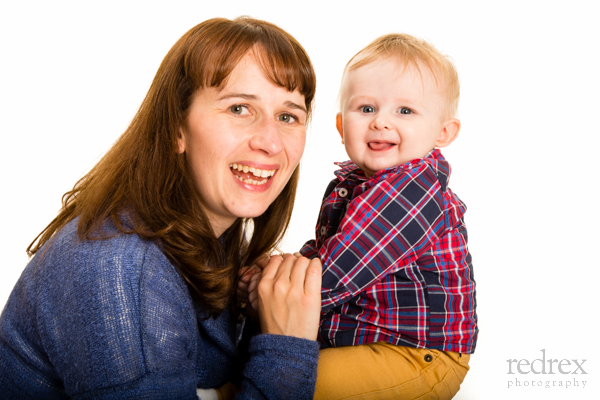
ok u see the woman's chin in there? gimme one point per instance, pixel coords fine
(249, 208)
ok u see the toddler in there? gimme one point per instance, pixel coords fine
(398, 314)
(398, 298)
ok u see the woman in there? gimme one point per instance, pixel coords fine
(129, 293)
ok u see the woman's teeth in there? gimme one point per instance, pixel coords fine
(259, 173)
(251, 181)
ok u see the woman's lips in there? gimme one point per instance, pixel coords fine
(251, 175)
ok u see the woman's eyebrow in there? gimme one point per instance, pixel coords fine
(240, 95)
(291, 104)
(246, 96)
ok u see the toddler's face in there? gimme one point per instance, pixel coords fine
(389, 116)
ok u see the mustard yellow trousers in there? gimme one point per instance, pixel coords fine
(385, 371)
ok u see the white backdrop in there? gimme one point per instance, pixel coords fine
(73, 74)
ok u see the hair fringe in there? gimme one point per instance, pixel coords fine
(145, 187)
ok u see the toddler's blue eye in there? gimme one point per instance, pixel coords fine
(405, 111)
(367, 109)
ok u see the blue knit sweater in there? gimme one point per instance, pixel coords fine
(113, 319)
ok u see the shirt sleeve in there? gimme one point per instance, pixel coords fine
(309, 250)
(384, 229)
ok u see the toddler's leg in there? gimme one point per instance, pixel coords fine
(384, 371)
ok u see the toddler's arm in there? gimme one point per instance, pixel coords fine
(386, 228)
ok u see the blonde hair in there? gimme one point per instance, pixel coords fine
(411, 51)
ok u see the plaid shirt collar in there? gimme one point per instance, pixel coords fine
(350, 171)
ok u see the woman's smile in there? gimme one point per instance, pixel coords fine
(242, 142)
(250, 175)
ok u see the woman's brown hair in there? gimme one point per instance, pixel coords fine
(145, 187)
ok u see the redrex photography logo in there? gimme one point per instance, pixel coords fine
(546, 372)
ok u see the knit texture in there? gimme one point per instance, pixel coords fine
(113, 319)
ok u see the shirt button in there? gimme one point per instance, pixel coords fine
(323, 230)
(343, 192)
(428, 357)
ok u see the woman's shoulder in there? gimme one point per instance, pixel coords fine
(104, 305)
(106, 244)
(105, 262)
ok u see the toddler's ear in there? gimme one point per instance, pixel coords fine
(338, 125)
(448, 133)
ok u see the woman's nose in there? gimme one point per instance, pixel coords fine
(267, 138)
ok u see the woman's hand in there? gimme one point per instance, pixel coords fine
(247, 289)
(247, 286)
(289, 296)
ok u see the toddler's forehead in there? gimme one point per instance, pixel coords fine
(401, 66)
(395, 68)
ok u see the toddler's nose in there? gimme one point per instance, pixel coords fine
(380, 122)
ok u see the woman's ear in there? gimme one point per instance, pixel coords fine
(448, 133)
(338, 125)
(180, 142)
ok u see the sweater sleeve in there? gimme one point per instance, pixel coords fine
(280, 367)
(121, 325)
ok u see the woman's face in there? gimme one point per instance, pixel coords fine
(242, 142)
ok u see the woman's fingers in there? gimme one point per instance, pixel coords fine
(284, 270)
(298, 272)
(271, 267)
(253, 292)
(242, 292)
(245, 276)
(312, 281)
(289, 297)
(262, 261)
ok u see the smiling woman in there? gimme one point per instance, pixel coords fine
(258, 126)
(130, 290)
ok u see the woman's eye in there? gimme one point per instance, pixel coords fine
(405, 111)
(239, 109)
(287, 118)
(367, 109)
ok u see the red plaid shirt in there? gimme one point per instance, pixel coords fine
(396, 266)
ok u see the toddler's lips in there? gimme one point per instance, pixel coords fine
(380, 146)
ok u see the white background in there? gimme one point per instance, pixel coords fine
(72, 75)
